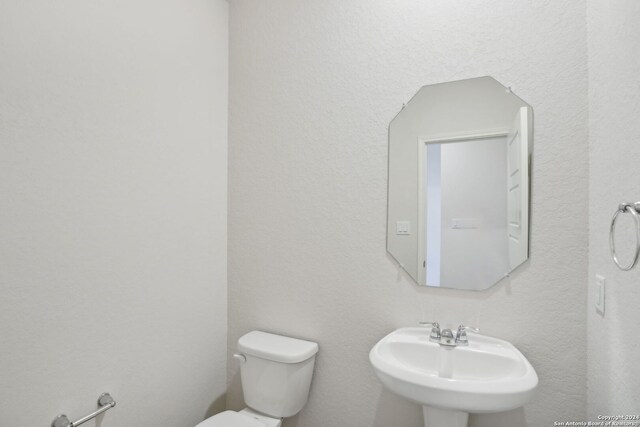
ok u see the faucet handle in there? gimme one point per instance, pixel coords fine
(461, 335)
(435, 330)
(432, 324)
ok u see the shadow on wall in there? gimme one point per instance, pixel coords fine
(292, 422)
(513, 418)
(216, 406)
(391, 405)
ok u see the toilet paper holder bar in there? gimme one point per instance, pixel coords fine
(105, 402)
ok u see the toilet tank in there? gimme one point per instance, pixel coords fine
(276, 375)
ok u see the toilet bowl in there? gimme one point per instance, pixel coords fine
(276, 376)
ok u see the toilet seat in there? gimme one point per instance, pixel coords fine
(230, 419)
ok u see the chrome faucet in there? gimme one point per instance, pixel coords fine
(435, 330)
(461, 335)
(445, 336)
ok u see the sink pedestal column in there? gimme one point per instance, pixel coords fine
(436, 417)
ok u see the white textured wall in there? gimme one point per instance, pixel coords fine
(313, 86)
(113, 209)
(614, 138)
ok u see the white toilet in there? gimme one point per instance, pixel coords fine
(276, 376)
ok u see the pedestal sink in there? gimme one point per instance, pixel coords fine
(488, 375)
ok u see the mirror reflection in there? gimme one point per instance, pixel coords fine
(458, 213)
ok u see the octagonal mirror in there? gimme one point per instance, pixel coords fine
(459, 178)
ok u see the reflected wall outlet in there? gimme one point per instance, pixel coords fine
(402, 228)
(600, 287)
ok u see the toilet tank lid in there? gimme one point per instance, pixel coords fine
(276, 347)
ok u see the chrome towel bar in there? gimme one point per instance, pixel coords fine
(634, 210)
(105, 402)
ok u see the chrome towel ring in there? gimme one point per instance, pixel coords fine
(634, 210)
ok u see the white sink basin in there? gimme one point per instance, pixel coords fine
(488, 375)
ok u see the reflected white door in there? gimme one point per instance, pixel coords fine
(518, 188)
